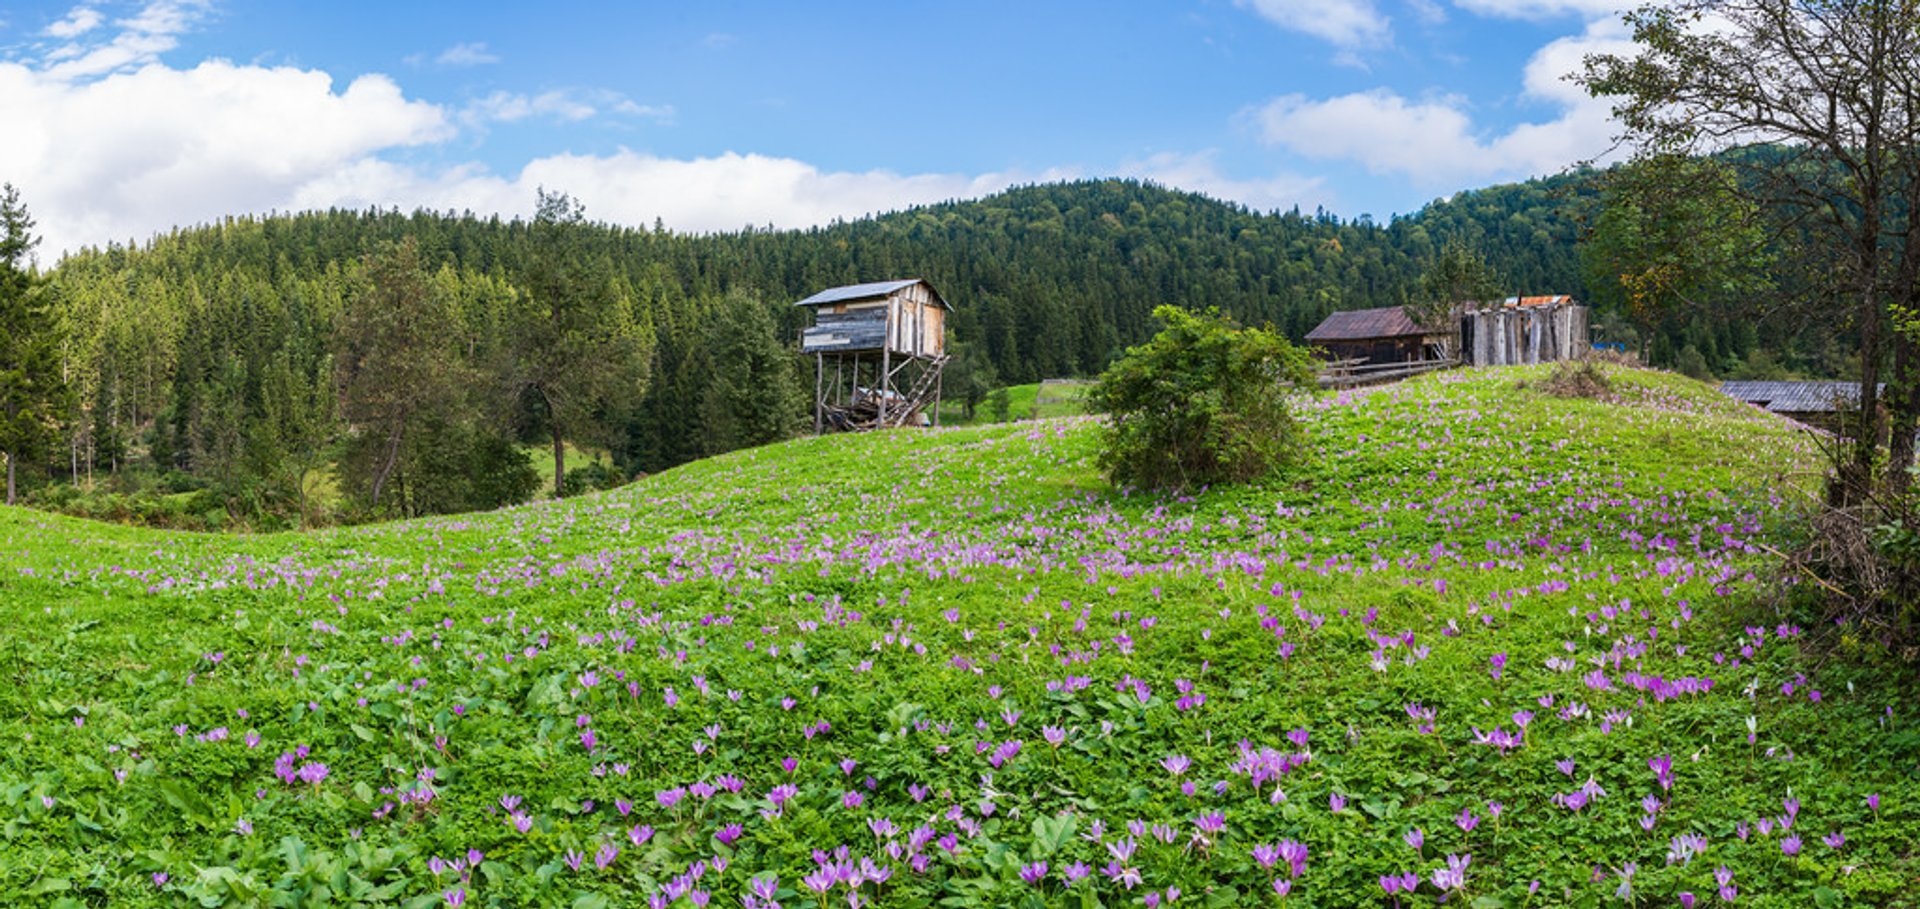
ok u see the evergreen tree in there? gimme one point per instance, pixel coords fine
(394, 367)
(30, 387)
(578, 357)
(752, 394)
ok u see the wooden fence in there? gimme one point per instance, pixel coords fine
(1356, 373)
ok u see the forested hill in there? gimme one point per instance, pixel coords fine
(1051, 279)
(190, 351)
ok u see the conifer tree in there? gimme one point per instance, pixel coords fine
(30, 387)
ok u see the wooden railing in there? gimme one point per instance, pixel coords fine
(1355, 373)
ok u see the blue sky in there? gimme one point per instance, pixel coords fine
(136, 116)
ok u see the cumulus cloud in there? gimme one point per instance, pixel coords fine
(470, 54)
(1434, 142)
(137, 152)
(1346, 23)
(720, 192)
(79, 21)
(109, 143)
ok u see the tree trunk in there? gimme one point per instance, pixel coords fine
(559, 455)
(9, 457)
(386, 470)
(1853, 483)
(1903, 405)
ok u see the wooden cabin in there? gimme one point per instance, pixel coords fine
(878, 349)
(1375, 336)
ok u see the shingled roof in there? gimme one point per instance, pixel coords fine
(1365, 324)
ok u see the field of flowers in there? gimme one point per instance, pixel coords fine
(1491, 649)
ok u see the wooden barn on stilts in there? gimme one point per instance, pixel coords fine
(878, 352)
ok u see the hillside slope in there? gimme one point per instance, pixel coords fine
(194, 351)
(1482, 613)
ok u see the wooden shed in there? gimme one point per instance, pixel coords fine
(1829, 405)
(879, 349)
(1385, 335)
(1520, 330)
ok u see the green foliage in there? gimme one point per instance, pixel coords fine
(396, 369)
(1204, 402)
(1677, 240)
(969, 376)
(594, 476)
(31, 390)
(1000, 405)
(1693, 364)
(752, 394)
(904, 589)
(577, 354)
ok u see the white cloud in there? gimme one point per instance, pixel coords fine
(1347, 23)
(110, 144)
(560, 106)
(510, 107)
(138, 152)
(1541, 9)
(142, 38)
(79, 21)
(721, 192)
(1434, 142)
(469, 54)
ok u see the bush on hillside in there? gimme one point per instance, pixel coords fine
(1205, 401)
(591, 477)
(1577, 379)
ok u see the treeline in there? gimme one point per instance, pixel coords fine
(200, 358)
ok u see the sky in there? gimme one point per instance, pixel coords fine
(120, 119)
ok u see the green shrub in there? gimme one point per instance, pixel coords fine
(591, 477)
(1205, 401)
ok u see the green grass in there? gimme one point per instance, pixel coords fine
(1040, 400)
(913, 602)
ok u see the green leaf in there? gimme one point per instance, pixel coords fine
(1051, 834)
(1223, 897)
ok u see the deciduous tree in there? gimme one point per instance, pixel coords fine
(1832, 89)
(1204, 401)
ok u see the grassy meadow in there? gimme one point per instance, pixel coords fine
(1034, 401)
(1490, 648)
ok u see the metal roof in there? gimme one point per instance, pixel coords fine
(1796, 397)
(870, 291)
(1362, 324)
